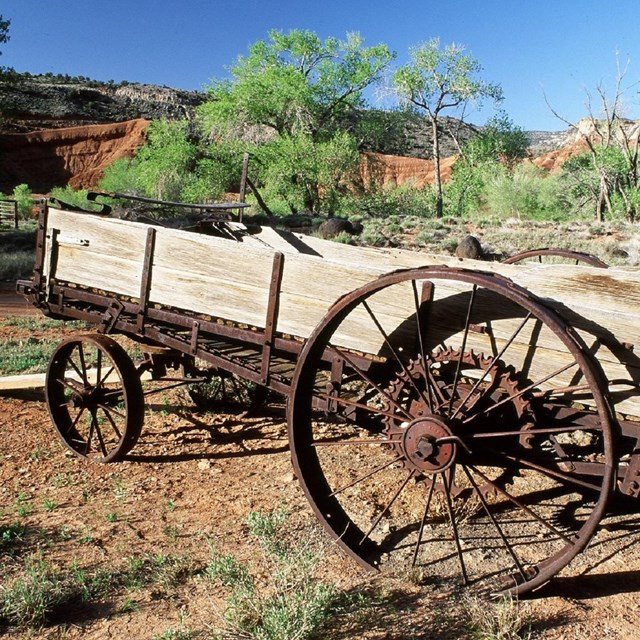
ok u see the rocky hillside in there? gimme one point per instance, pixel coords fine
(32, 103)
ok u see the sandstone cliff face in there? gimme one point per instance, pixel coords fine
(394, 171)
(75, 155)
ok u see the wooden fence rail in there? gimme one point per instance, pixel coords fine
(9, 212)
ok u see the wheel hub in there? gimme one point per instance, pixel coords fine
(423, 447)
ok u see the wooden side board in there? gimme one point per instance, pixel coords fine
(230, 279)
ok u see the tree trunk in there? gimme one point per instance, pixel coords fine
(437, 182)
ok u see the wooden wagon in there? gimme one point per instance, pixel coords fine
(463, 418)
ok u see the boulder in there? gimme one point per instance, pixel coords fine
(470, 247)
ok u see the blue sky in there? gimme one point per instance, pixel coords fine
(561, 48)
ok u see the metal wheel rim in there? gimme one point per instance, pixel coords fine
(299, 410)
(97, 416)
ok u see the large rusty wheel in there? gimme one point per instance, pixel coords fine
(95, 397)
(556, 256)
(472, 445)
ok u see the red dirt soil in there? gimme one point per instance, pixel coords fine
(195, 476)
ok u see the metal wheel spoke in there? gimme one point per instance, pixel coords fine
(73, 425)
(370, 382)
(378, 469)
(94, 417)
(514, 396)
(520, 505)
(454, 527)
(548, 393)
(74, 366)
(551, 473)
(491, 366)
(465, 335)
(359, 405)
(83, 364)
(422, 525)
(107, 413)
(388, 506)
(99, 380)
(416, 302)
(92, 423)
(343, 443)
(168, 387)
(102, 381)
(495, 523)
(387, 341)
(69, 383)
(105, 407)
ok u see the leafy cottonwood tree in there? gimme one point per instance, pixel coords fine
(288, 99)
(437, 80)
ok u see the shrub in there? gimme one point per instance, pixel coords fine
(405, 200)
(23, 196)
(293, 605)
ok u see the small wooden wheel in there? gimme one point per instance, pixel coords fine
(95, 397)
(449, 421)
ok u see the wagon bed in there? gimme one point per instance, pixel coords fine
(417, 386)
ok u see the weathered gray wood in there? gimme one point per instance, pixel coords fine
(228, 279)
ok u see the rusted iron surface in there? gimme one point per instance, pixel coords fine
(575, 257)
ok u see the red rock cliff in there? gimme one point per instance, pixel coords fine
(75, 155)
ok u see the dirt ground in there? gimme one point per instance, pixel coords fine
(194, 477)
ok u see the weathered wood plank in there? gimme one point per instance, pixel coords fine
(230, 279)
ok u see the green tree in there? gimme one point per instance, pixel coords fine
(437, 80)
(289, 97)
(500, 140)
(493, 154)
